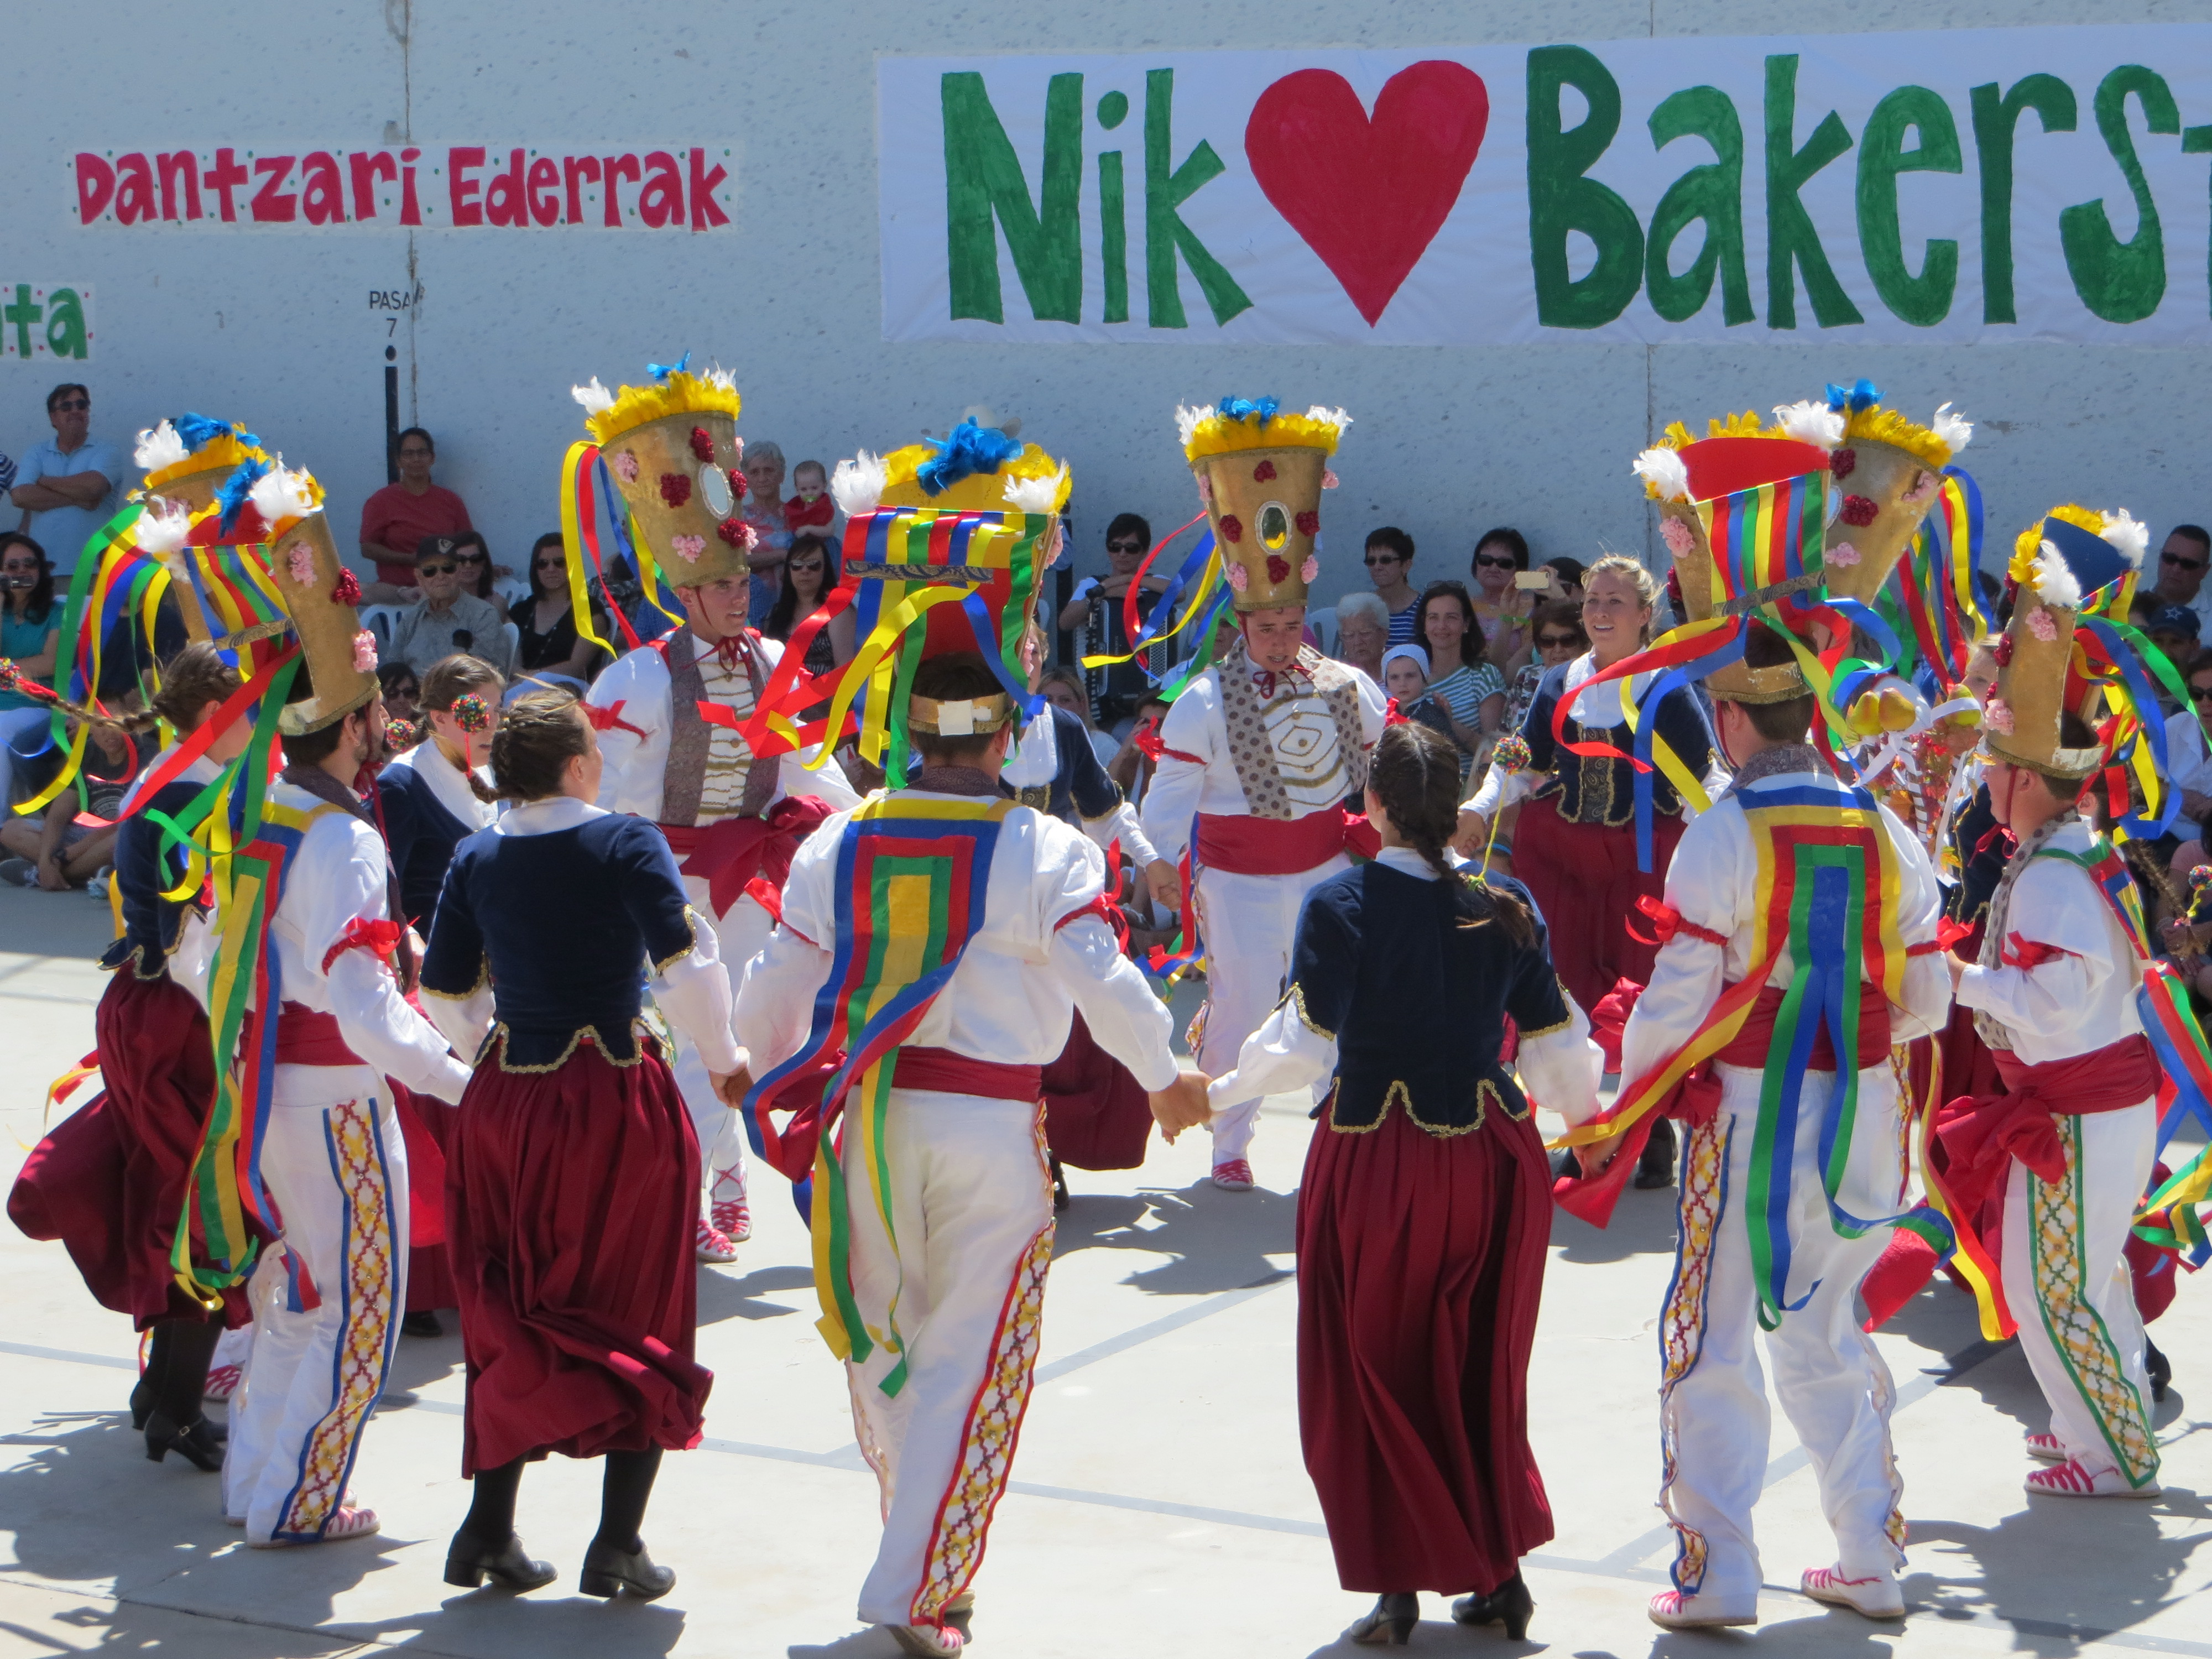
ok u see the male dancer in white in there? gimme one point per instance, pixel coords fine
(1259, 753)
(695, 777)
(950, 1220)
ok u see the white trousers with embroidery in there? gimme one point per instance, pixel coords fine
(338, 1174)
(1834, 1386)
(2067, 1286)
(1250, 923)
(740, 933)
(970, 1204)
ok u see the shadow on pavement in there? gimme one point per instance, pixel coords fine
(1212, 1240)
(1643, 1225)
(2118, 1571)
(494, 1624)
(726, 1295)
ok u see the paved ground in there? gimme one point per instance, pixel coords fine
(1159, 1507)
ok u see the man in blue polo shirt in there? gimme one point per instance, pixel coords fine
(71, 485)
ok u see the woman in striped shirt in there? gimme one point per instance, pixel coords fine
(1462, 681)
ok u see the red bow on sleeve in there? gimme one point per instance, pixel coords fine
(381, 938)
(1667, 922)
(609, 719)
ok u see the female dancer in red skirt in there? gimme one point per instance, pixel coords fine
(1575, 844)
(572, 1180)
(1425, 1203)
(110, 1181)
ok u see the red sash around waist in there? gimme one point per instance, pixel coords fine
(1247, 846)
(1750, 1045)
(948, 1074)
(304, 1037)
(728, 854)
(1981, 1134)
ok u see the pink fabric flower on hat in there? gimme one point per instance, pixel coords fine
(1328, 479)
(626, 467)
(1924, 487)
(1309, 572)
(1998, 717)
(299, 560)
(1676, 535)
(1205, 490)
(364, 651)
(2043, 625)
(688, 547)
(1238, 579)
(1843, 556)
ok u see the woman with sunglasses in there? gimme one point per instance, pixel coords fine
(30, 634)
(546, 620)
(1556, 633)
(810, 571)
(479, 575)
(1575, 839)
(1502, 608)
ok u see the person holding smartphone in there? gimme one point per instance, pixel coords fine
(1501, 605)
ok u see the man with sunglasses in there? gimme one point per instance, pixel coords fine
(1097, 614)
(2182, 563)
(448, 620)
(67, 485)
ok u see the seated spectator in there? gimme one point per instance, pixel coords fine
(2174, 629)
(479, 575)
(811, 508)
(2181, 566)
(1556, 632)
(810, 571)
(401, 690)
(1500, 606)
(1568, 573)
(396, 518)
(762, 466)
(56, 852)
(1063, 689)
(1469, 689)
(69, 485)
(1132, 766)
(446, 620)
(549, 641)
(1096, 613)
(1406, 679)
(1363, 629)
(1389, 560)
(30, 636)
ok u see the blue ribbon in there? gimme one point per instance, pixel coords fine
(1244, 409)
(2154, 728)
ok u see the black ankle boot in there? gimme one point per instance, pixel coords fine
(609, 1572)
(196, 1443)
(468, 1564)
(2160, 1370)
(1391, 1621)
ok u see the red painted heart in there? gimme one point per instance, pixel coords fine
(1369, 195)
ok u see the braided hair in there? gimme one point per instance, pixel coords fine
(1414, 776)
(536, 740)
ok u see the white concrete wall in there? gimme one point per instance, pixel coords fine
(277, 329)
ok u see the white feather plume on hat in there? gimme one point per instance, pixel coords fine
(1665, 470)
(857, 484)
(159, 446)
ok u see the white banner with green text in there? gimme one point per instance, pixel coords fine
(2046, 184)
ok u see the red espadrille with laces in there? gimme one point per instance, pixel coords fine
(713, 1245)
(2071, 1479)
(1234, 1177)
(733, 1218)
(1876, 1595)
(2048, 1447)
(1672, 1610)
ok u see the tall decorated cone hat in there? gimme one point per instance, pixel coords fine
(2073, 570)
(945, 543)
(1260, 471)
(671, 449)
(1888, 472)
(188, 459)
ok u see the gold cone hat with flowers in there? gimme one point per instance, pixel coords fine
(671, 449)
(2073, 570)
(1888, 471)
(1260, 471)
(945, 543)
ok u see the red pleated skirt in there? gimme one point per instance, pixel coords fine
(571, 1200)
(426, 1124)
(1584, 879)
(1420, 1267)
(110, 1181)
(1097, 1116)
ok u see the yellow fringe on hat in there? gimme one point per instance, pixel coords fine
(1877, 425)
(681, 393)
(1216, 434)
(224, 454)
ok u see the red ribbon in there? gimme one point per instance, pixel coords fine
(1107, 911)
(729, 856)
(380, 937)
(1666, 922)
(609, 718)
